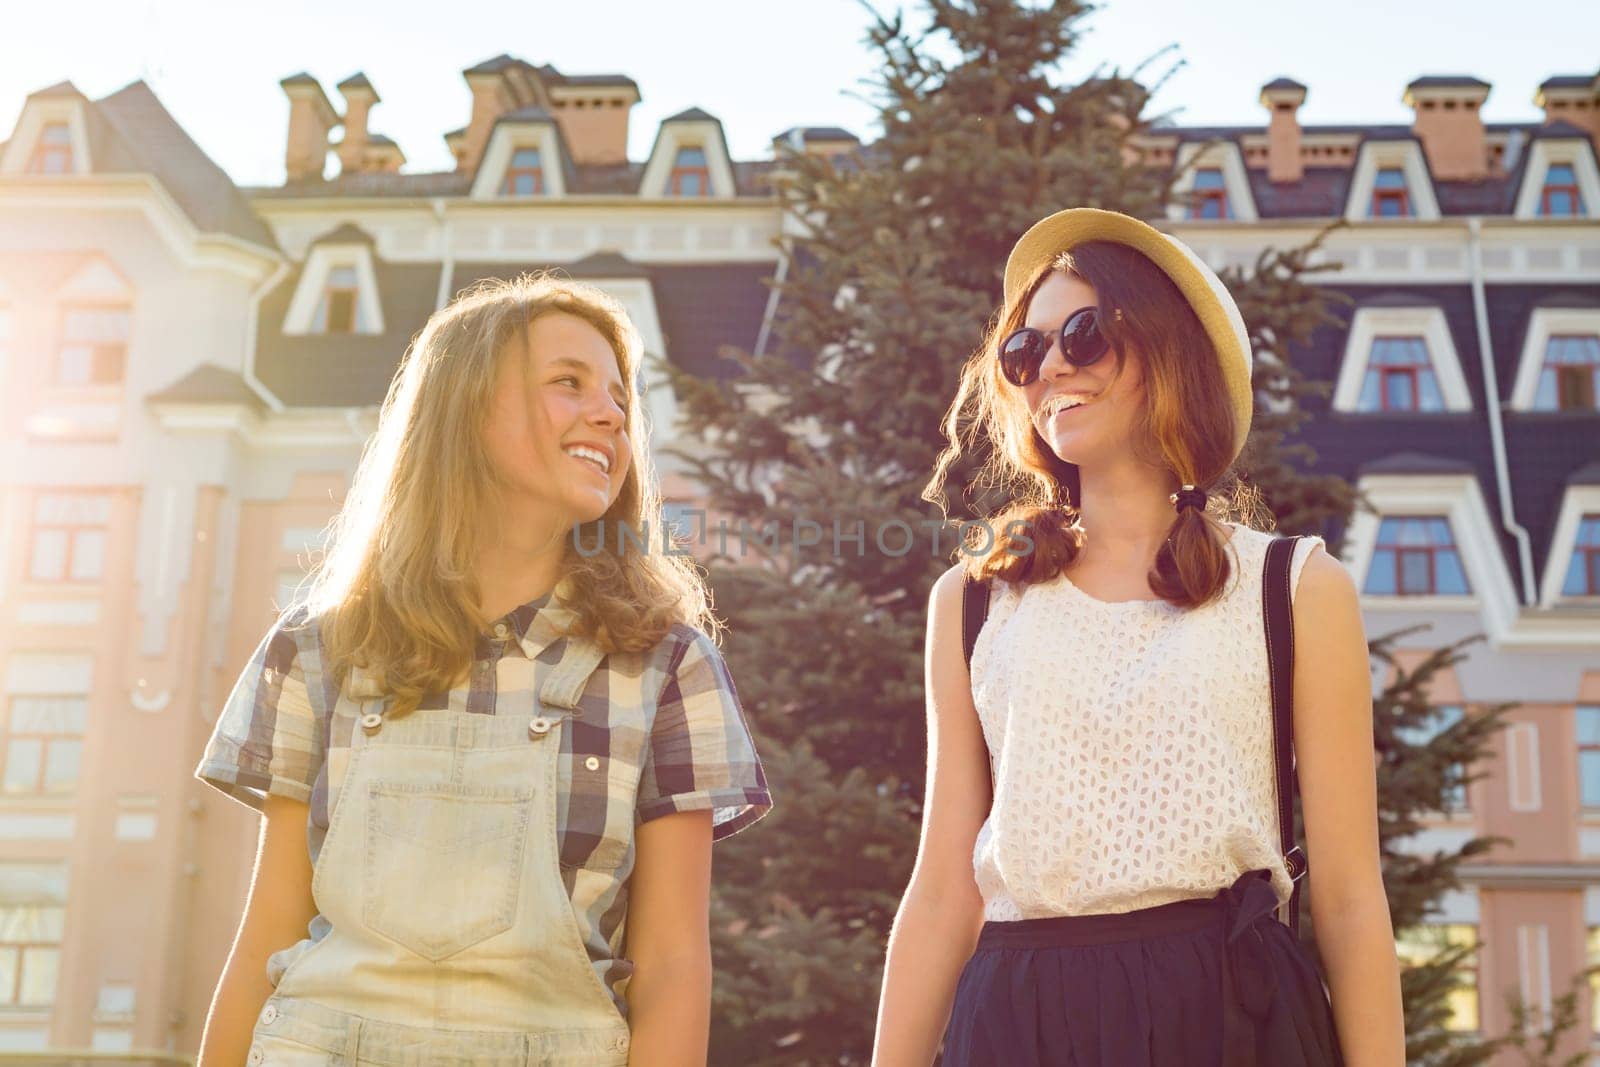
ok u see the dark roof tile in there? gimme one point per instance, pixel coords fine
(1448, 81)
(65, 88)
(1416, 463)
(1569, 81)
(347, 234)
(1560, 130)
(131, 131)
(693, 114)
(208, 384)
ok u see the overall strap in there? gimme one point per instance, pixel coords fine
(1279, 617)
(974, 609)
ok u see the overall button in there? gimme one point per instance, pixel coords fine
(371, 721)
(269, 1015)
(539, 726)
(622, 1043)
(255, 1057)
(593, 763)
(501, 630)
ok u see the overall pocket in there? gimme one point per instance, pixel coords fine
(443, 867)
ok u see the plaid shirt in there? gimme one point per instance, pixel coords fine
(654, 732)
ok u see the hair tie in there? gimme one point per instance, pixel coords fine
(1189, 497)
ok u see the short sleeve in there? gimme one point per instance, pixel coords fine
(267, 739)
(701, 755)
(1307, 544)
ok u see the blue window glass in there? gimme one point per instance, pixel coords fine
(1211, 195)
(1559, 197)
(1416, 556)
(1400, 377)
(1583, 568)
(525, 174)
(1389, 196)
(691, 175)
(1589, 755)
(1443, 718)
(1570, 377)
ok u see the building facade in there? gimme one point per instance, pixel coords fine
(190, 370)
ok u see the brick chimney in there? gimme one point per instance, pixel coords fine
(493, 94)
(1573, 98)
(1282, 97)
(592, 111)
(359, 96)
(1449, 125)
(311, 119)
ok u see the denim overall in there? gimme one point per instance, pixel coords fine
(452, 936)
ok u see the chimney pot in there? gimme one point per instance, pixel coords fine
(1282, 98)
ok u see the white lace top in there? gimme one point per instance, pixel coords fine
(1131, 745)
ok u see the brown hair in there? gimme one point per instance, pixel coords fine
(396, 593)
(1187, 422)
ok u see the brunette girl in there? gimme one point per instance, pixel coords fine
(1100, 860)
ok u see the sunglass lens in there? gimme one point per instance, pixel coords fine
(1021, 354)
(1082, 343)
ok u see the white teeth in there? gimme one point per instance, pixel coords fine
(593, 456)
(1063, 403)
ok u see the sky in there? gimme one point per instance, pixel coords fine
(760, 66)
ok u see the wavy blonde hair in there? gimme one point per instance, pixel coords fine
(396, 594)
(1186, 425)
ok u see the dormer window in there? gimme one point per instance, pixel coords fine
(1570, 378)
(340, 308)
(52, 153)
(94, 346)
(1389, 200)
(1560, 198)
(1583, 569)
(1416, 556)
(1400, 377)
(691, 175)
(1210, 195)
(525, 174)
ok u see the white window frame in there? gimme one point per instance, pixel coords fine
(1576, 502)
(1429, 323)
(314, 279)
(1574, 152)
(1225, 157)
(503, 143)
(1458, 498)
(36, 115)
(699, 133)
(1544, 323)
(1378, 155)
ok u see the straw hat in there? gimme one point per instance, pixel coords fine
(1198, 283)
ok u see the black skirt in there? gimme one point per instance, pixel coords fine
(1199, 983)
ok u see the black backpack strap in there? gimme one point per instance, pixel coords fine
(1278, 613)
(974, 609)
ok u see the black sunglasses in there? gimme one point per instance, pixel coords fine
(1082, 343)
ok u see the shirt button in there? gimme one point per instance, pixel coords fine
(539, 726)
(269, 1015)
(622, 1042)
(371, 721)
(501, 630)
(593, 763)
(254, 1057)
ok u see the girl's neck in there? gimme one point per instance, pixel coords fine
(1126, 513)
(521, 560)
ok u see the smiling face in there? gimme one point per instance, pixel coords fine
(1086, 415)
(556, 430)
